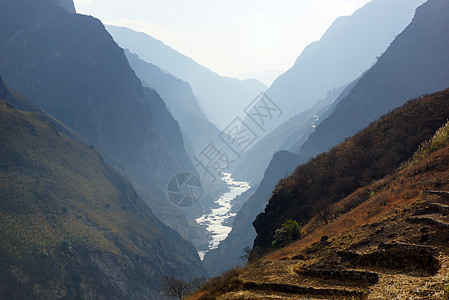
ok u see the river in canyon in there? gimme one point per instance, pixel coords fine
(215, 221)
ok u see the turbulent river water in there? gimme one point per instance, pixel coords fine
(216, 220)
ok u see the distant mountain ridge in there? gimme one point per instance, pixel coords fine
(287, 136)
(413, 65)
(266, 77)
(347, 49)
(221, 98)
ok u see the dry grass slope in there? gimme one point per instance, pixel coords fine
(386, 240)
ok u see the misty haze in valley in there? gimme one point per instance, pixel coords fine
(238, 150)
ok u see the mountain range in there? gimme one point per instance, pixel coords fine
(347, 49)
(370, 155)
(298, 130)
(342, 55)
(413, 65)
(408, 74)
(221, 98)
(288, 136)
(349, 179)
(280, 164)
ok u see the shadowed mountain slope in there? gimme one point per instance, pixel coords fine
(100, 97)
(180, 100)
(73, 227)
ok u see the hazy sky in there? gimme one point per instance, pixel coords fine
(230, 37)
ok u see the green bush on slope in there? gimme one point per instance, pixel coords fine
(288, 233)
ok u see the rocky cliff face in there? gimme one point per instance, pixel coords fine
(100, 96)
(71, 67)
(180, 100)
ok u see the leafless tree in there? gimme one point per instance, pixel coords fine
(175, 287)
(245, 253)
(197, 282)
(325, 214)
